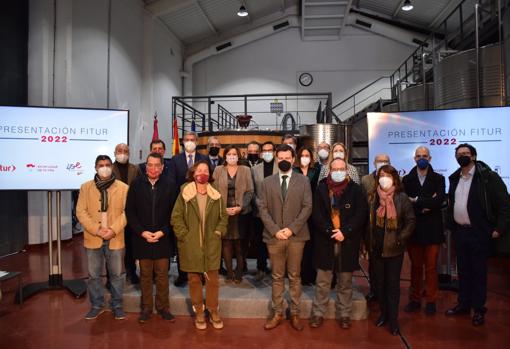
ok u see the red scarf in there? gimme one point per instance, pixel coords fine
(386, 209)
(336, 187)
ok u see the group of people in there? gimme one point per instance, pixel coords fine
(311, 218)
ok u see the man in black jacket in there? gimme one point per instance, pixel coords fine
(426, 190)
(479, 209)
(149, 205)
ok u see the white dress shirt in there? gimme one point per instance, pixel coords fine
(288, 174)
(460, 212)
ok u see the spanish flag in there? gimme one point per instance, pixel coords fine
(175, 138)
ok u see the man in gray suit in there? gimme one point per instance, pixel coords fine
(285, 203)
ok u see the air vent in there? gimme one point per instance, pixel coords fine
(223, 46)
(364, 24)
(281, 25)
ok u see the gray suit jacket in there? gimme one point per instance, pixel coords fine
(292, 213)
(257, 173)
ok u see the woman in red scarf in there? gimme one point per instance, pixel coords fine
(392, 222)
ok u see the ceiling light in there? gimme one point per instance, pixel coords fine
(407, 6)
(242, 12)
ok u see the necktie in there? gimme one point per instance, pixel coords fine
(284, 186)
(190, 160)
(214, 162)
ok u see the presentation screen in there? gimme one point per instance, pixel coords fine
(400, 133)
(55, 148)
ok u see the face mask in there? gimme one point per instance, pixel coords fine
(293, 146)
(253, 157)
(323, 154)
(385, 182)
(339, 155)
(378, 165)
(338, 176)
(305, 161)
(214, 151)
(202, 178)
(104, 171)
(190, 146)
(122, 158)
(464, 160)
(267, 156)
(284, 166)
(422, 163)
(232, 159)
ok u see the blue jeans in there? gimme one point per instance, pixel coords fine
(96, 258)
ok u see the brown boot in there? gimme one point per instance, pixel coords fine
(273, 322)
(345, 323)
(200, 323)
(296, 323)
(215, 320)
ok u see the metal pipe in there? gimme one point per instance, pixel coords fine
(54, 51)
(501, 58)
(108, 55)
(477, 50)
(50, 232)
(424, 80)
(59, 232)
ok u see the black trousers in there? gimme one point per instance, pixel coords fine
(472, 248)
(258, 243)
(308, 272)
(387, 284)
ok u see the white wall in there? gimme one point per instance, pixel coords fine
(145, 60)
(273, 65)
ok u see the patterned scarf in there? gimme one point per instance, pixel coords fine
(386, 209)
(103, 186)
(335, 187)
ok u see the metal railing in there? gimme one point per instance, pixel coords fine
(225, 119)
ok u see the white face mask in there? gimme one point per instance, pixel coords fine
(122, 158)
(190, 146)
(232, 159)
(305, 161)
(293, 146)
(323, 154)
(338, 176)
(104, 172)
(339, 155)
(380, 164)
(385, 182)
(267, 156)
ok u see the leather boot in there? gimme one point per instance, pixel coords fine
(295, 322)
(273, 322)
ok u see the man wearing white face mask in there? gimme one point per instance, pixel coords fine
(260, 171)
(126, 172)
(339, 215)
(290, 140)
(100, 210)
(368, 185)
(179, 166)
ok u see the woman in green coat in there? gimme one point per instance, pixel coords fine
(199, 220)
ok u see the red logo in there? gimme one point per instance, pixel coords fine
(30, 165)
(7, 168)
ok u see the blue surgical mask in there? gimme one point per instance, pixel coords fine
(267, 156)
(422, 163)
(338, 176)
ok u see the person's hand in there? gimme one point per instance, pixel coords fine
(280, 235)
(425, 210)
(413, 200)
(337, 235)
(158, 235)
(495, 234)
(147, 235)
(287, 232)
(108, 234)
(363, 251)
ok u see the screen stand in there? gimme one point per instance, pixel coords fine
(77, 287)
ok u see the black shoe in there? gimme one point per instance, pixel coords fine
(370, 297)
(180, 281)
(430, 309)
(412, 306)
(223, 271)
(478, 319)
(457, 310)
(394, 330)
(145, 315)
(133, 279)
(381, 321)
(166, 314)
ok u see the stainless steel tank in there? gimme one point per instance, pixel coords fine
(417, 98)
(506, 51)
(455, 79)
(312, 135)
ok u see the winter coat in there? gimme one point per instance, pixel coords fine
(198, 252)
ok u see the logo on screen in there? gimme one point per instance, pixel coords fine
(7, 168)
(75, 167)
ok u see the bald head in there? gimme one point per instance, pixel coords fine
(422, 150)
(122, 148)
(337, 165)
(382, 158)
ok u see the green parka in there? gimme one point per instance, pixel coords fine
(199, 251)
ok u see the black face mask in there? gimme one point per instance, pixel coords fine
(214, 151)
(464, 160)
(284, 166)
(253, 157)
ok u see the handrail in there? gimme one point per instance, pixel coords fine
(359, 91)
